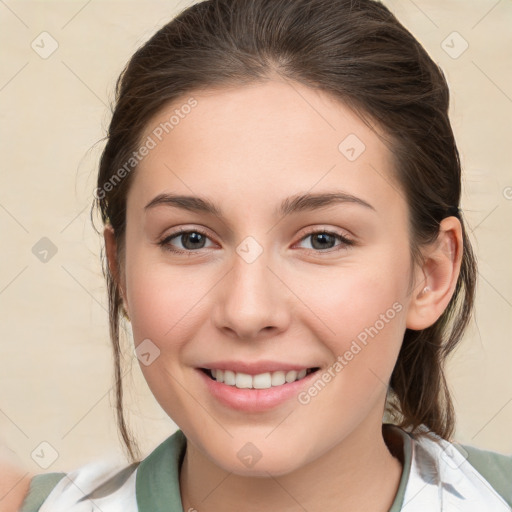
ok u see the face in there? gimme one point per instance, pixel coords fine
(263, 281)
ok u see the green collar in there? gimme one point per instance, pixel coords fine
(402, 442)
(158, 484)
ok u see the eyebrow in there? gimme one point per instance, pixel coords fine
(293, 204)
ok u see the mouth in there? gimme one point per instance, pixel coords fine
(260, 381)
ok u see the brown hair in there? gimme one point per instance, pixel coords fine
(356, 51)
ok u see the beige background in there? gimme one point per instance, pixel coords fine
(55, 364)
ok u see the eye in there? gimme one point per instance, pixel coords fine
(191, 240)
(322, 241)
(194, 239)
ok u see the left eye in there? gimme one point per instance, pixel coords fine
(322, 240)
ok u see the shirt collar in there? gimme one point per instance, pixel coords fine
(435, 476)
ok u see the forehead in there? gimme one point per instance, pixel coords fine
(262, 142)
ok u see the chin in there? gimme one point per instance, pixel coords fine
(251, 463)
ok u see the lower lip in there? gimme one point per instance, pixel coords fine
(254, 400)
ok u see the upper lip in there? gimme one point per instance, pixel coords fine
(256, 367)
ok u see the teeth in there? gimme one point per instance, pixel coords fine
(229, 377)
(260, 381)
(278, 378)
(291, 376)
(243, 381)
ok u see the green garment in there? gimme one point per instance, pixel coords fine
(157, 479)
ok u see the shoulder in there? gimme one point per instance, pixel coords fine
(444, 475)
(495, 467)
(14, 486)
(38, 490)
(110, 485)
(151, 485)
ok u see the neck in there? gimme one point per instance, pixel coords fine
(359, 473)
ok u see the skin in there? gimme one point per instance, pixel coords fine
(246, 149)
(14, 485)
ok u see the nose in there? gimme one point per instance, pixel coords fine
(253, 300)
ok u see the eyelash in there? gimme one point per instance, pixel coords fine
(345, 242)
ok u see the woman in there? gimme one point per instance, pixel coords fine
(280, 192)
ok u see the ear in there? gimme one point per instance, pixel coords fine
(113, 264)
(437, 277)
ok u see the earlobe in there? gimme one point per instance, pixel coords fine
(113, 264)
(437, 277)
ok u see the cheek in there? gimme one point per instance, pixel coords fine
(362, 309)
(364, 313)
(349, 300)
(165, 304)
(162, 301)
(168, 305)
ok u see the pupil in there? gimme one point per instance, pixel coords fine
(322, 236)
(194, 238)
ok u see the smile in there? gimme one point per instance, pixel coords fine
(260, 381)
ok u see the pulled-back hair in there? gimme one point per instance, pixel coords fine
(356, 51)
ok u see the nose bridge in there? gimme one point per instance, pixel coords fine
(252, 298)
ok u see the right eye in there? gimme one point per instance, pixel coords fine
(191, 241)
